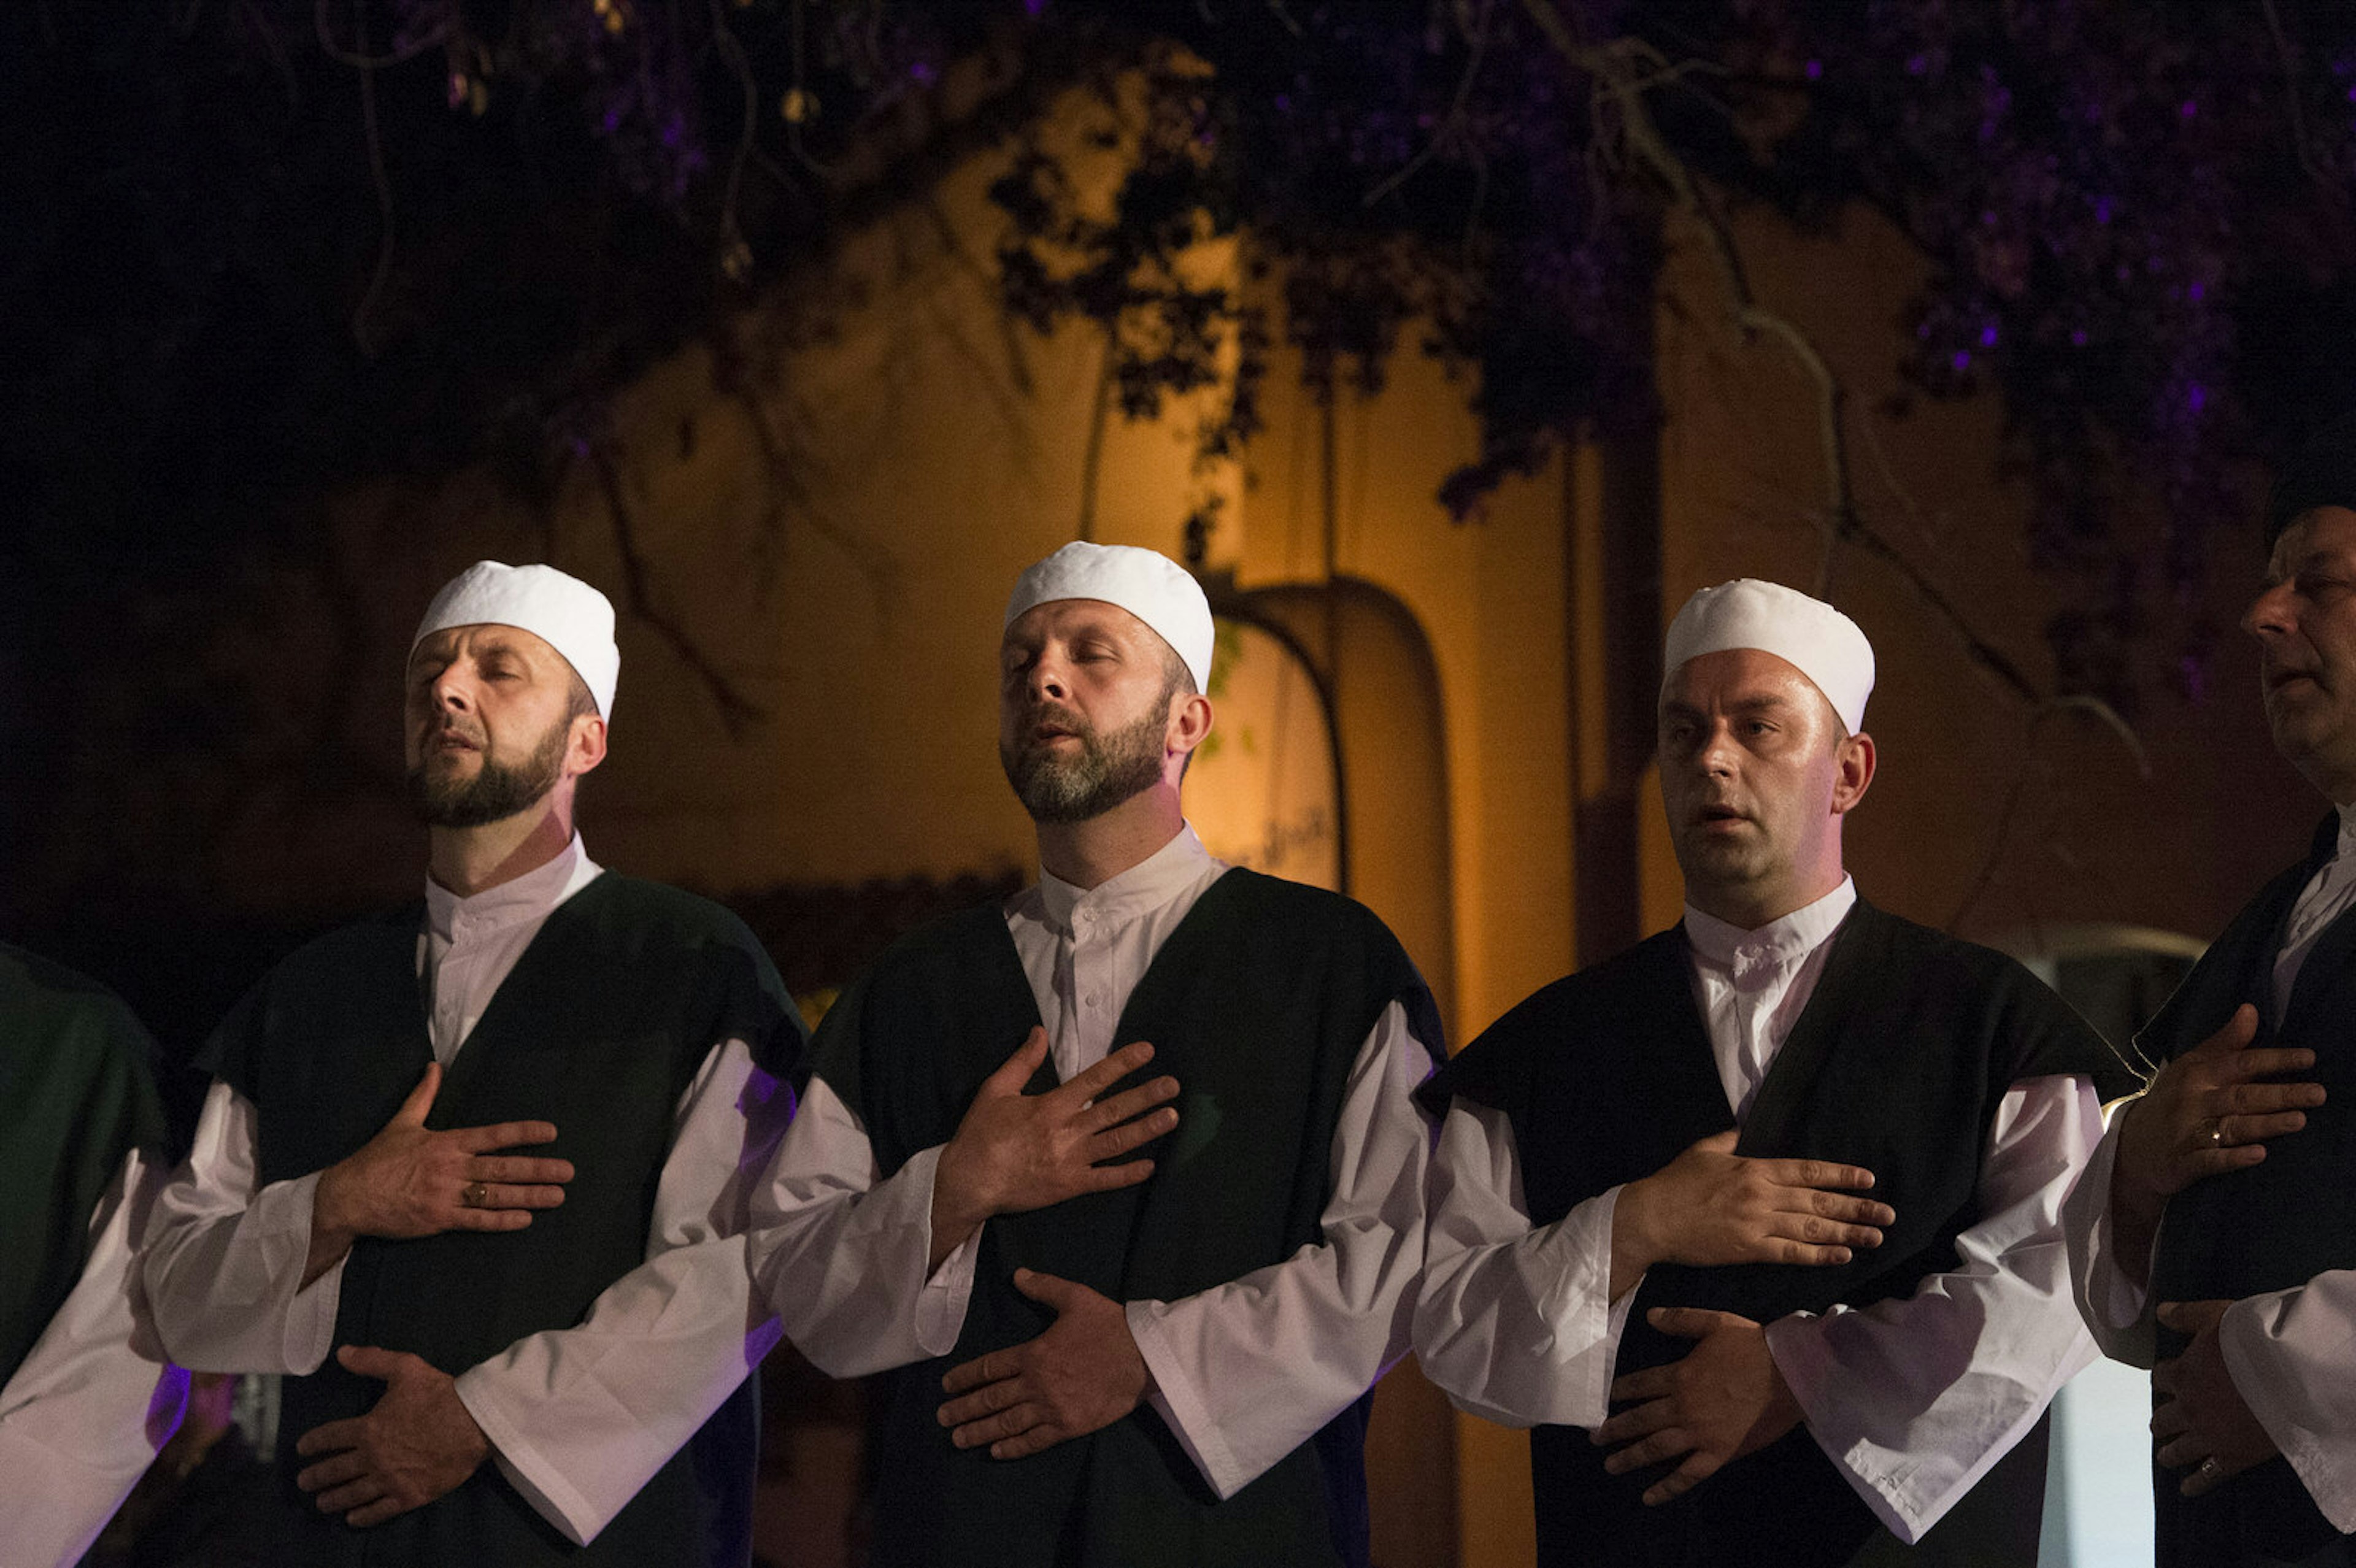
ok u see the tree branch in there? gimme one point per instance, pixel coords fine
(2092, 707)
(738, 712)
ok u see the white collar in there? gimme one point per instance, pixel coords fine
(527, 897)
(1778, 943)
(1143, 889)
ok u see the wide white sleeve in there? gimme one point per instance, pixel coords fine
(2292, 1357)
(223, 1263)
(2114, 1305)
(1247, 1372)
(1513, 1322)
(579, 1419)
(1913, 1399)
(82, 1415)
(839, 1250)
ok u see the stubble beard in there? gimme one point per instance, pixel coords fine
(1107, 769)
(1735, 864)
(497, 792)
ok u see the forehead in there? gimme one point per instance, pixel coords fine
(1068, 619)
(481, 640)
(1739, 678)
(2323, 533)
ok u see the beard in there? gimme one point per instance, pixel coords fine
(1107, 770)
(497, 791)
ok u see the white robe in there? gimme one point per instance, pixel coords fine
(1912, 1400)
(579, 1419)
(83, 1416)
(1242, 1373)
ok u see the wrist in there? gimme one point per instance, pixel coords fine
(959, 1206)
(1631, 1247)
(332, 1221)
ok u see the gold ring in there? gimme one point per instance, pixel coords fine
(475, 1196)
(2216, 1131)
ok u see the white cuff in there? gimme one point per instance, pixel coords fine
(1180, 1404)
(551, 1496)
(2292, 1403)
(282, 1212)
(1805, 1360)
(941, 1304)
(1578, 1254)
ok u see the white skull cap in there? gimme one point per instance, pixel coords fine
(1149, 585)
(562, 611)
(1816, 639)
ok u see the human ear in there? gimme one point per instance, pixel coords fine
(584, 745)
(1853, 763)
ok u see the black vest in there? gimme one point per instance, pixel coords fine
(599, 1028)
(76, 1096)
(1897, 1063)
(2272, 1226)
(1258, 1003)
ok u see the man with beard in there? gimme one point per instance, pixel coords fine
(1096, 1358)
(532, 1352)
(2213, 1239)
(1647, 1217)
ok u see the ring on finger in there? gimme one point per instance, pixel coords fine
(475, 1196)
(2209, 1469)
(2216, 1131)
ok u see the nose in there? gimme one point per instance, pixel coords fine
(1715, 755)
(2272, 613)
(450, 692)
(1047, 679)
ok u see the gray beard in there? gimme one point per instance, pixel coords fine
(1109, 770)
(497, 792)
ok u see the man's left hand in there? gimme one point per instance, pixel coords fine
(418, 1441)
(2202, 1421)
(1724, 1399)
(1083, 1373)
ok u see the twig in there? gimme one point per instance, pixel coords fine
(1448, 124)
(738, 712)
(2092, 707)
(375, 138)
(872, 561)
(360, 59)
(1620, 67)
(260, 29)
(2288, 57)
(725, 39)
(1624, 68)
